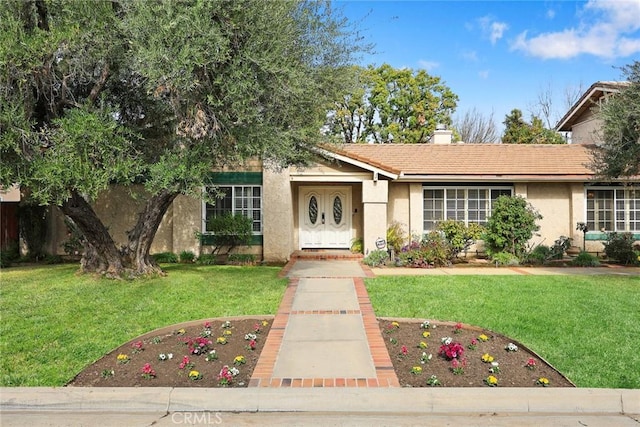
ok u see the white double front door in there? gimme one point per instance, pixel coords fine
(325, 217)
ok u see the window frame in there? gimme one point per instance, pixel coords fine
(445, 189)
(235, 209)
(613, 214)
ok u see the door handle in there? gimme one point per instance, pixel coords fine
(323, 217)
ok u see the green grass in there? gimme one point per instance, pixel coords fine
(55, 322)
(588, 327)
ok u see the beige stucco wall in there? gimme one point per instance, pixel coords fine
(278, 215)
(585, 130)
(375, 195)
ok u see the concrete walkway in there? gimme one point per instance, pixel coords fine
(324, 363)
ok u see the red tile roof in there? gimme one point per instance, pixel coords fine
(565, 162)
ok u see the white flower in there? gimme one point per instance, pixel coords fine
(511, 347)
(446, 340)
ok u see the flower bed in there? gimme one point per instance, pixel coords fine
(455, 355)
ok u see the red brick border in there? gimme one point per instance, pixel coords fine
(263, 372)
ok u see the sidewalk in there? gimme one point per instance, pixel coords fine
(324, 363)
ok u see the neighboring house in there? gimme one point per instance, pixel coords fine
(356, 191)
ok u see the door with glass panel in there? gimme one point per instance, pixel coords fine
(325, 220)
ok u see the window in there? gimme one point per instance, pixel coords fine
(613, 209)
(237, 199)
(469, 205)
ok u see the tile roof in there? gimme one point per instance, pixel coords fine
(564, 162)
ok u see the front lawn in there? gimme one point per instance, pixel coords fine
(55, 322)
(585, 326)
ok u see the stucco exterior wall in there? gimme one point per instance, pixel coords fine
(553, 202)
(585, 131)
(278, 216)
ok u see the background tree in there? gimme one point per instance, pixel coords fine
(157, 93)
(619, 155)
(475, 128)
(519, 131)
(511, 225)
(391, 105)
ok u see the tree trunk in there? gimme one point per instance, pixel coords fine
(101, 254)
(142, 235)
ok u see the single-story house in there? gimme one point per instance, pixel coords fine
(356, 191)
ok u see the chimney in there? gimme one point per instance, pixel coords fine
(441, 135)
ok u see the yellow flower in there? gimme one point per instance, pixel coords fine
(426, 334)
(487, 358)
(483, 337)
(492, 381)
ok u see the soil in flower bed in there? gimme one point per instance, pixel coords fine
(414, 349)
(123, 367)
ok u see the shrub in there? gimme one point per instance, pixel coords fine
(230, 231)
(505, 258)
(511, 225)
(207, 259)
(241, 259)
(539, 255)
(585, 259)
(460, 236)
(395, 236)
(432, 251)
(619, 247)
(187, 257)
(165, 257)
(357, 246)
(376, 258)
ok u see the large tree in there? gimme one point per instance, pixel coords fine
(475, 128)
(519, 131)
(387, 104)
(157, 93)
(618, 157)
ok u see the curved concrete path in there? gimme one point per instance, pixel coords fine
(322, 365)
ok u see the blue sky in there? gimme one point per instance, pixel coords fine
(500, 55)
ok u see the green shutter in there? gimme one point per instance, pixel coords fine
(236, 178)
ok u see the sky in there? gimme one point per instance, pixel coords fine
(501, 55)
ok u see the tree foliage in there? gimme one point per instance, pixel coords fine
(511, 225)
(619, 155)
(159, 93)
(519, 131)
(385, 104)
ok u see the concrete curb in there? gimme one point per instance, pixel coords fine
(326, 400)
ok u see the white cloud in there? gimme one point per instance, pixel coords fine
(606, 30)
(428, 65)
(470, 55)
(492, 29)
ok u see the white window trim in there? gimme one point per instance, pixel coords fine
(466, 188)
(233, 207)
(614, 189)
